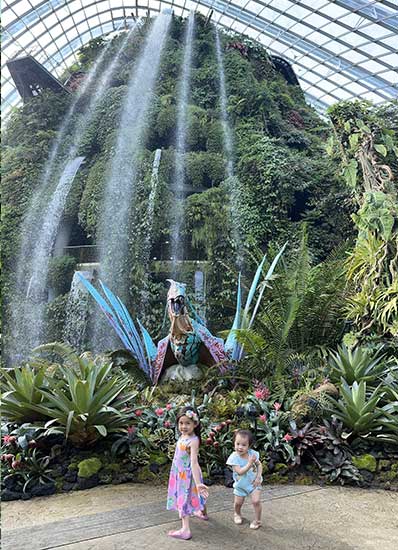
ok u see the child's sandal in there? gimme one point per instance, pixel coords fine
(238, 519)
(255, 524)
(201, 516)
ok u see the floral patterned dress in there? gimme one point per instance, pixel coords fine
(182, 493)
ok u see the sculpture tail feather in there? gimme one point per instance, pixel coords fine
(120, 320)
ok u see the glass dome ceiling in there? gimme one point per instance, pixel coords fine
(339, 49)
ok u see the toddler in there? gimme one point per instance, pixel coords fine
(247, 470)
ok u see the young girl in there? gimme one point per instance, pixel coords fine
(247, 470)
(187, 492)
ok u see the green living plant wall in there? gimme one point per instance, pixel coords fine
(283, 175)
(365, 139)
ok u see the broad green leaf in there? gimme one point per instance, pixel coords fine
(380, 149)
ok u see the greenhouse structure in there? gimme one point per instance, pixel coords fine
(199, 273)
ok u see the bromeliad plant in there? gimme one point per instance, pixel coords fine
(306, 439)
(357, 364)
(86, 403)
(272, 438)
(21, 392)
(334, 459)
(358, 411)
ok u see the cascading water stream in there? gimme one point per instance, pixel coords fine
(76, 313)
(227, 134)
(146, 248)
(120, 190)
(232, 180)
(151, 204)
(28, 310)
(177, 245)
(113, 234)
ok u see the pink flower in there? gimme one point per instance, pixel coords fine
(263, 418)
(159, 411)
(9, 439)
(287, 437)
(277, 406)
(139, 412)
(131, 430)
(261, 391)
(169, 406)
(167, 424)
(16, 464)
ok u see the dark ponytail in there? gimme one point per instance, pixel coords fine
(198, 427)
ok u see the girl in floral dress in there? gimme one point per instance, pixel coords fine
(187, 492)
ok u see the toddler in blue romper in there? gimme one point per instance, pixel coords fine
(243, 485)
(247, 477)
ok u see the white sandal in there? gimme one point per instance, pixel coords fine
(255, 524)
(238, 519)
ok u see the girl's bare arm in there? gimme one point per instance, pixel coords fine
(194, 451)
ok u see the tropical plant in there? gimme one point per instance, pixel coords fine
(338, 466)
(23, 466)
(334, 458)
(218, 445)
(85, 404)
(358, 411)
(366, 142)
(302, 315)
(305, 440)
(21, 392)
(357, 364)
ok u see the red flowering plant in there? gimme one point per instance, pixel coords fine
(130, 441)
(216, 446)
(23, 466)
(306, 440)
(268, 426)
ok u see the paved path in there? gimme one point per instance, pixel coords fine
(133, 517)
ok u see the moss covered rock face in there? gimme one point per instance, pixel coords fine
(89, 467)
(365, 462)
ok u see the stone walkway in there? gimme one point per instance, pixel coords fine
(133, 517)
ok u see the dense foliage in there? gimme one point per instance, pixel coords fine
(281, 171)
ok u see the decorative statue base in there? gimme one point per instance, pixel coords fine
(180, 373)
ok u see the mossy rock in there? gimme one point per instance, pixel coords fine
(281, 468)
(303, 480)
(385, 465)
(388, 476)
(89, 467)
(58, 485)
(113, 467)
(145, 474)
(365, 462)
(158, 458)
(276, 478)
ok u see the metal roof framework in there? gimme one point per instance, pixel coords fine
(339, 49)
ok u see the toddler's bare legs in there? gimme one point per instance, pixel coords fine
(257, 509)
(238, 503)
